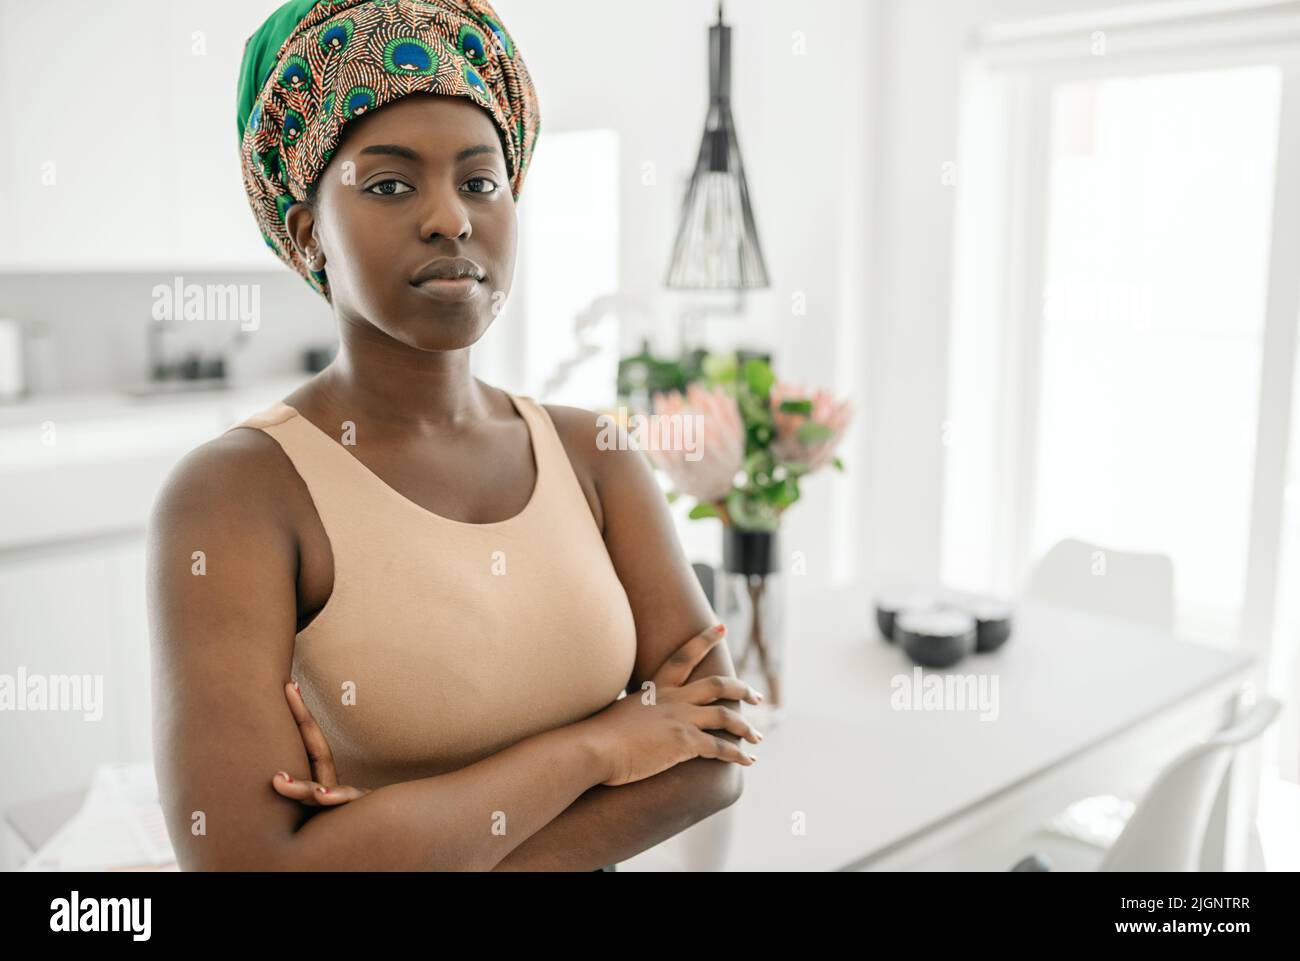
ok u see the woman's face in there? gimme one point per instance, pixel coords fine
(420, 179)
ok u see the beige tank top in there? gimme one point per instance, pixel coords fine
(442, 641)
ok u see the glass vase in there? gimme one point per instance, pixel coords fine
(751, 602)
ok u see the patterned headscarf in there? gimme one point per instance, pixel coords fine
(313, 66)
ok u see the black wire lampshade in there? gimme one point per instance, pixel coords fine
(717, 243)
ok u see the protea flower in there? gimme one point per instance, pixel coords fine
(708, 472)
(809, 428)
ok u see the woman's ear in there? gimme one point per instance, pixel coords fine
(300, 220)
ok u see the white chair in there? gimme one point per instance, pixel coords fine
(1131, 586)
(1167, 828)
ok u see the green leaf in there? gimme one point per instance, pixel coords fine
(703, 510)
(759, 376)
(751, 513)
(783, 493)
(719, 367)
(837, 464)
(811, 433)
(759, 462)
(796, 407)
(786, 493)
(753, 410)
(672, 496)
(667, 375)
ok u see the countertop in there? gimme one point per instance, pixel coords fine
(80, 405)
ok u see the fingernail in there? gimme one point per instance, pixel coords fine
(759, 735)
(285, 776)
(323, 790)
(718, 628)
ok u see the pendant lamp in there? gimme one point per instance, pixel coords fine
(717, 244)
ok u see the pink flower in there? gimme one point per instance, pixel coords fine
(826, 410)
(716, 441)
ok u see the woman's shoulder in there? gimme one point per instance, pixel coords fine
(575, 426)
(241, 470)
(595, 436)
(578, 430)
(600, 451)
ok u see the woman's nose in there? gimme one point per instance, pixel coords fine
(445, 216)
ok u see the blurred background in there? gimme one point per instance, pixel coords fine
(1047, 248)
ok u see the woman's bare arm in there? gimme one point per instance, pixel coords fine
(607, 825)
(222, 570)
(611, 824)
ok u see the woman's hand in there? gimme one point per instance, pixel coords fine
(651, 730)
(324, 790)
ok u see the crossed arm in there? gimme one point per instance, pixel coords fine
(610, 824)
(221, 643)
(606, 825)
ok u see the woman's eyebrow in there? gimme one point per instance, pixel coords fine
(397, 150)
(391, 150)
(475, 150)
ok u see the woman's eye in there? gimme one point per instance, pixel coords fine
(387, 193)
(494, 186)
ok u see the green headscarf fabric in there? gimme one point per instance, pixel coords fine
(261, 52)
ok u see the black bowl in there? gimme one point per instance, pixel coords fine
(889, 606)
(992, 625)
(935, 638)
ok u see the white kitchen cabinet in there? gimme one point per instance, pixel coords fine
(128, 621)
(129, 158)
(88, 467)
(72, 567)
(84, 182)
(57, 617)
(213, 222)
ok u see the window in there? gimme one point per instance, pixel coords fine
(1158, 216)
(1126, 311)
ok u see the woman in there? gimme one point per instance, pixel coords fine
(393, 614)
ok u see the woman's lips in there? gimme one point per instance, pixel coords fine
(452, 290)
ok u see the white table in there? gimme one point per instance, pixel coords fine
(1085, 704)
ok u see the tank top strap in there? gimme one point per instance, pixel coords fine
(276, 413)
(338, 483)
(562, 491)
(547, 447)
